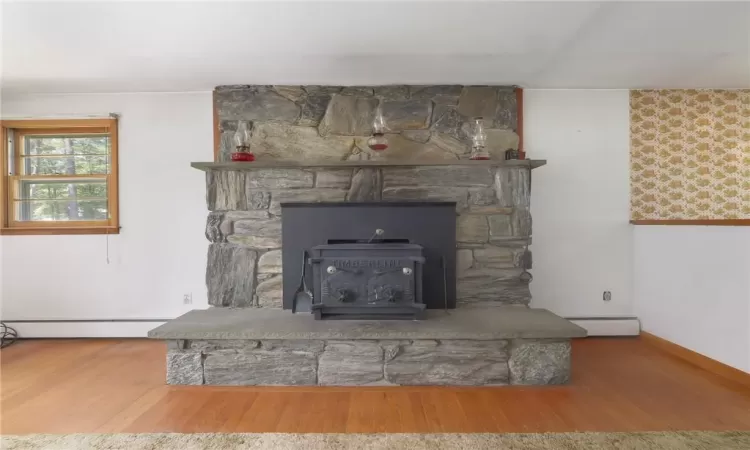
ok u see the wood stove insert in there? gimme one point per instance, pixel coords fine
(380, 260)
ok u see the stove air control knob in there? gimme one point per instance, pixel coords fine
(407, 271)
(331, 270)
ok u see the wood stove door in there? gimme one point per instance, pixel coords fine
(375, 281)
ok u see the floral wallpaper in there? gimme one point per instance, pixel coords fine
(690, 154)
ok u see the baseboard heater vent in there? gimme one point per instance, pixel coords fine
(105, 328)
(609, 326)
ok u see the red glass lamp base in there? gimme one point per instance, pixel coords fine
(242, 156)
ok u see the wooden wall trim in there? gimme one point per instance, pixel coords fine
(706, 222)
(696, 359)
(519, 125)
(217, 133)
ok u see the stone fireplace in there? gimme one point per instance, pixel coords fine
(476, 329)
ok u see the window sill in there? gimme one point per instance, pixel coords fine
(705, 222)
(58, 231)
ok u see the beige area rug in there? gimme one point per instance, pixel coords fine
(698, 440)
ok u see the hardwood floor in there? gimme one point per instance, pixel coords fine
(65, 386)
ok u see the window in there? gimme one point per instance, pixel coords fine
(59, 177)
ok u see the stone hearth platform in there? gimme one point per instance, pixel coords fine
(474, 346)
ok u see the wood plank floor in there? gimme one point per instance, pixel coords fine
(65, 386)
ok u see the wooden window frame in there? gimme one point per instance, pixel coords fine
(10, 178)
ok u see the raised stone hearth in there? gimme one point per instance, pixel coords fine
(468, 346)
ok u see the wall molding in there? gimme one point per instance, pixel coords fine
(134, 328)
(697, 359)
(608, 326)
(705, 222)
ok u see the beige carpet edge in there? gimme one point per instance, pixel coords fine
(668, 440)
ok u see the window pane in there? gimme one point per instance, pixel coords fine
(65, 165)
(60, 190)
(61, 210)
(66, 145)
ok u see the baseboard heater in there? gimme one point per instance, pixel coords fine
(86, 328)
(609, 326)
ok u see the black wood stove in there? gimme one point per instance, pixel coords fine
(379, 260)
(372, 280)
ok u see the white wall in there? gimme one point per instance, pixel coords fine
(692, 287)
(160, 253)
(582, 240)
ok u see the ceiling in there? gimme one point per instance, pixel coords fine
(180, 46)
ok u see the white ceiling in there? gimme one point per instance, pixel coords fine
(180, 46)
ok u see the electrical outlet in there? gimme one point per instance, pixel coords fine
(607, 296)
(187, 299)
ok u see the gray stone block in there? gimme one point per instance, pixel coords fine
(349, 116)
(439, 93)
(316, 89)
(447, 120)
(259, 200)
(279, 179)
(429, 193)
(497, 257)
(206, 346)
(502, 286)
(225, 190)
(513, 186)
(421, 136)
(506, 115)
(500, 227)
(489, 209)
(293, 93)
(213, 227)
(256, 104)
(366, 186)
(245, 215)
(460, 149)
(403, 115)
(350, 363)
(269, 292)
(499, 141)
(361, 91)
(229, 275)
(333, 178)
(521, 219)
(260, 367)
(455, 362)
(226, 145)
(481, 196)
(275, 140)
(464, 260)
(539, 362)
(472, 228)
(258, 233)
(270, 262)
(313, 346)
(313, 107)
(231, 125)
(454, 176)
(479, 101)
(184, 367)
(392, 92)
(305, 195)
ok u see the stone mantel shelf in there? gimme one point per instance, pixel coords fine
(283, 164)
